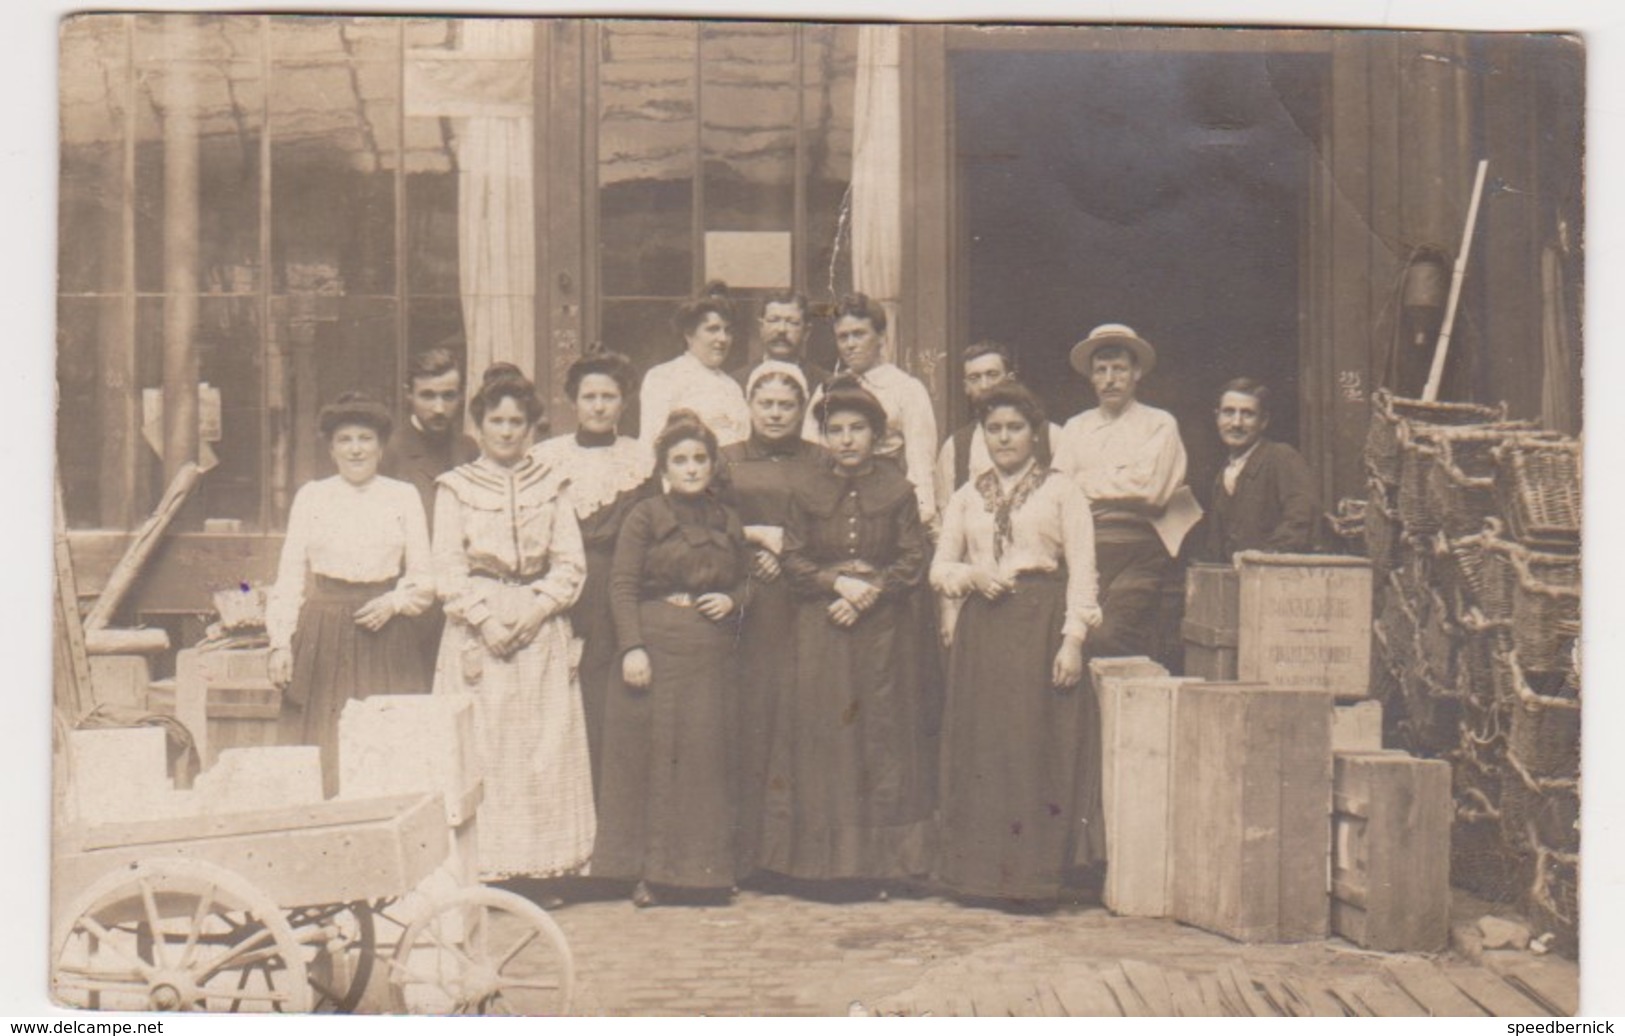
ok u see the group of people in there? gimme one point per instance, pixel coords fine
(784, 629)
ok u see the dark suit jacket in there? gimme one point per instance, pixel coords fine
(414, 457)
(1273, 508)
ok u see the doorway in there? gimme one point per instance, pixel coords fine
(1164, 190)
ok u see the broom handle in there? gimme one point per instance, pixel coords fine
(1442, 349)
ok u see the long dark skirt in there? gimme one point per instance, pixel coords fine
(600, 660)
(849, 789)
(1021, 763)
(335, 660)
(666, 811)
(767, 677)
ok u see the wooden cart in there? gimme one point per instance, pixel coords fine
(276, 911)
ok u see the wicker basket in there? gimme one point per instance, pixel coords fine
(1388, 412)
(1382, 528)
(1545, 608)
(1497, 574)
(1553, 899)
(1538, 486)
(1543, 732)
(1476, 663)
(1438, 640)
(1417, 456)
(1460, 481)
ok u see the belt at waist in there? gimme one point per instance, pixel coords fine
(1040, 575)
(506, 578)
(328, 588)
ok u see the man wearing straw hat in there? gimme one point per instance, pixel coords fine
(1129, 460)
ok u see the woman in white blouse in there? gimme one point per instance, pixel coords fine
(1021, 769)
(696, 380)
(355, 558)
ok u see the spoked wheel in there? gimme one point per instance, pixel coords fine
(483, 951)
(346, 945)
(177, 935)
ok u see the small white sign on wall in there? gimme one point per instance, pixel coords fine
(748, 258)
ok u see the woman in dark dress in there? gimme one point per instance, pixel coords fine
(677, 584)
(758, 477)
(1021, 762)
(606, 473)
(849, 746)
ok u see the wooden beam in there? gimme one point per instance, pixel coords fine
(142, 545)
(183, 570)
(1113, 38)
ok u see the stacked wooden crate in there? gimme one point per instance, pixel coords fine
(1473, 531)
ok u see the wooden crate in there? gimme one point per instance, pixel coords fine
(1357, 727)
(1252, 810)
(1212, 614)
(1305, 622)
(1137, 716)
(1391, 851)
(226, 699)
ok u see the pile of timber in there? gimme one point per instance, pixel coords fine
(1472, 526)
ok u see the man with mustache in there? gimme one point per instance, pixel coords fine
(1129, 460)
(964, 454)
(783, 330)
(431, 441)
(1264, 499)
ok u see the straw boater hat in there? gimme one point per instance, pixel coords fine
(1113, 334)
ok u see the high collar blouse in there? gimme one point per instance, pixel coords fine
(866, 524)
(497, 525)
(602, 482)
(371, 533)
(687, 383)
(672, 544)
(911, 427)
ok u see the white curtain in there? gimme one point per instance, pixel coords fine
(495, 219)
(877, 170)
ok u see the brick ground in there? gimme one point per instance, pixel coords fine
(782, 955)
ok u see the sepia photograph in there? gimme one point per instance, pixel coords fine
(673, 516)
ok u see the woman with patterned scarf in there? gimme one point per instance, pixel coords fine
(1021, 756)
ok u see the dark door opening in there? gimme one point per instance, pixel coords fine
(1164, 190)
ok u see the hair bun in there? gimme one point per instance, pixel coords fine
(502, 371)
(352, 396)
(715, 290)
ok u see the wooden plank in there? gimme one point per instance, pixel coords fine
(1284, 1000)
(1128, 1000)
(1555, 984)
(1139, 761)
(1252, 811)
(1315, 1000)
(142, 545)
(72, 691)
(1084, 994)
(1428, 987)
(1236, 1004)
(1391, 862)
(1345, 994)
(1152, 987)
(182, 571)
(1049, 1002)
(1187, 996)
(1249, 993)
(1496, 997)
(1383, 1000)
(1214, 1002)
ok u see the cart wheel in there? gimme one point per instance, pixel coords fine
(177, 935)
(344, 938)
(483, 951)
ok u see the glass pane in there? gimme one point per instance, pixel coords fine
(748, 106)
(211, 66)
(830, 55)
(94, 87)
(431, 207)
(335, 141)
(82, 432)
(434, 321)
(646, 140)
(229, 360)
(322, 346)
(642, 330)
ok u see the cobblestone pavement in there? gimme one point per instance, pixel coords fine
(777, 954)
